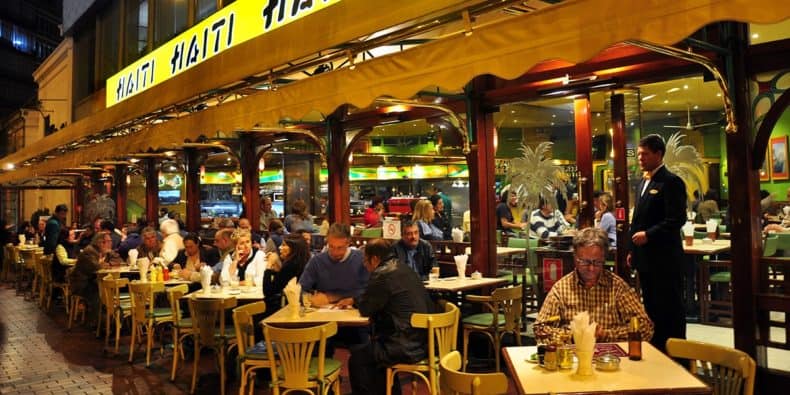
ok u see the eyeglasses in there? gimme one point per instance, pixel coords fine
(587, 262)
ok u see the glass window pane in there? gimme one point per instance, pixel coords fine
(108, 38)
(205, 8)
(171, 19)
(136, 29)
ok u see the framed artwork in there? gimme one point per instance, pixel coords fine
(779, 165)
(765, 175)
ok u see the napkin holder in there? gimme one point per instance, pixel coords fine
(205, 278)
(293, 291)
(688, 233)
(133, 257)
(584, 337)
(460, 265)
(144, 264)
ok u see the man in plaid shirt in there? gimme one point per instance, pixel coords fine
(609, 300)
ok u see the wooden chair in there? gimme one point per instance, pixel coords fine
(64, 288)
(8, 263)
(44, 269)
(116, 308)
(727, 370)
(503, 316)
(182, 327)
(146, 315)
(208, 330)
(252, 356)
(442, 330)
(296, 368)
(454, 382)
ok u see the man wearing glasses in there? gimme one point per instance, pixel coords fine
(609, 300)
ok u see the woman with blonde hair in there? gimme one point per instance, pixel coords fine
(245, 261)
(607, 222)
(423, 217)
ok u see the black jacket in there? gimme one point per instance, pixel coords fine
(424, 258)
(661, 212)
(394, 292)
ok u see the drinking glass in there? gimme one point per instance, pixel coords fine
(307, 301)
(234, 282)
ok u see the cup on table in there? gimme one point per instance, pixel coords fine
(234, 283)
(434, 274)
(689, 240)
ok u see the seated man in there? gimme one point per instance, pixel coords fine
(393, 293)
(413, 252)
(609, 300)
(546, 221)
(336, 275)
(505, 220)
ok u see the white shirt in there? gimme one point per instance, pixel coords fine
(256, 267)
(652, 173)
(170, 247)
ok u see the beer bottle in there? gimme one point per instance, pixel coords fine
(634, 340)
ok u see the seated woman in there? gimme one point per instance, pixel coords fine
(245, 261)
(281, 268)
(375, 213)
(276, 234)
(60, 259)
(299, 218)
(439, 218)
(97, 255)
(191, 259)
(423, 217)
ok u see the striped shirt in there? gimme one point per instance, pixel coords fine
(540, 226)
(611, 303)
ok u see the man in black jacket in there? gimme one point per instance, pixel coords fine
(393, 293)
(656, 250)
(414, 252)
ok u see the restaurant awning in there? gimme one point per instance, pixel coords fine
(573, 31)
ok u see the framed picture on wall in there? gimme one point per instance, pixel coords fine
(765, 175)
(779, 165)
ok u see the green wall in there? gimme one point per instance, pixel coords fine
(779, 188)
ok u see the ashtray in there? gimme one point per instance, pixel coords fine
(607, 362)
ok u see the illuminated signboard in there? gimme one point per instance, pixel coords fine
(240, 21)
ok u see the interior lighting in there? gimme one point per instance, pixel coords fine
(755, 35)
(9, 166)
(170, 153)
(648, 97)
(134, 160)
(673, 90)
(685, 86)
(398, 108)
(718, 94)
(261, 165)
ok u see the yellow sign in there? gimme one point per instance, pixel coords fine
(240, 21)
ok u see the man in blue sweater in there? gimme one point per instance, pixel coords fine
(336, 275)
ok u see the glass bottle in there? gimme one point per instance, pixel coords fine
(634, 340)
(550, 359)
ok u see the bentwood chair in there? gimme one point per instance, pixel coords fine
(44, 269)
(503, 316)
(208, 330)
(252, 356)
(182, 327)
(76, 305)
(8, 263)
(442, 332)
(116, 308)
(727, 370)
(64, 287)
(296, 368)
(454, 382)
(146, 316)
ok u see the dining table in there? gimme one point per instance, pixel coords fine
(455, 284)
(240, 293)
(656, 373)
(316, 315)
(693, 281)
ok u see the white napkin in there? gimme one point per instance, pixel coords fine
(22, 239)
(460, 265)
(584, 336)
(711, 225)
(133, 256)
(144, 264)
(205, 278)
(293, 291)
(457, 234)
(688, 229)
(690, 215)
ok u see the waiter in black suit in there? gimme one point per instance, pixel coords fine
(656, 250)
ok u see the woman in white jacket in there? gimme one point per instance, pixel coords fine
(245, 261)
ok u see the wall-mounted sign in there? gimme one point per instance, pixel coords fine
(240, 21)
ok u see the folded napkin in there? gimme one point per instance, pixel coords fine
(133, 256)
(205, 278)
(144, 264)
(457, 234)
(584, 336)
(460, 265)
(292, 291)
(711, 225)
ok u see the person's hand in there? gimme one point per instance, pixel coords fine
(628, 261)
(185, 274)
(599, 332)
(639, 238)
(273, 262)
(345, 303)
(320, 299)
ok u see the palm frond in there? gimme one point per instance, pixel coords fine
(686, 162)
(533, 175)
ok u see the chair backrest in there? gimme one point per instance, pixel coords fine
(142, 298)
(206, 315)
(770, 246)
(245, 328)
(173, 296)
(45, 268)
(516, 242)
(110, 292)
(295, 349)
(727, 370)
(507, 301)
(442, 331)
(452, 381)
(372, 232)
